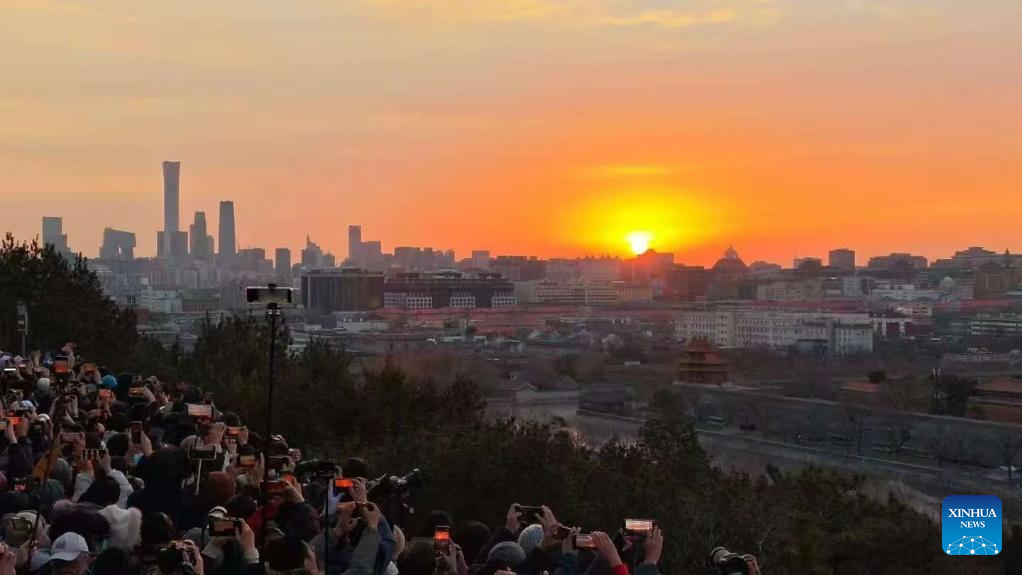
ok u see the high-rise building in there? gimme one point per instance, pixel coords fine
(372, 255)
(312, 255)
(355, 246)
(282, 263)
(53, 234)
(228, 240)
(117, 245)
(171, 242)
(171, 196)
(201, 241)
(842, 259)
(480, 259)
(347, 289)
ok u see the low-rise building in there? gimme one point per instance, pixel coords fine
(838, 333)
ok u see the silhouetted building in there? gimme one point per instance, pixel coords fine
(448, 289)
(842, 259)
(480, 259)
(282, 264)
(171, 242)
(727, 278)
(346, 289)
(519, 268)
(53, 235)
(312, 255)
(897, 261)
(201, 241)
(117, 245)
(254, 260)
(228, 239)
(355, 246)
(686, 283)
(994, 280)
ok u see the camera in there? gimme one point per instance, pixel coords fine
(585, 541)
(175, 557)
(224, 527)
(388, 485)
(728, 563)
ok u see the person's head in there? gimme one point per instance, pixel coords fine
(69, 555)
(156, 530)
(472, 536)
(303, 522)
(231, 419)
(117, 444)
(218, 488)
(42, 385)
(432, 520)
(104, 491)
(288, 553)
(112, 561)
(80, 520)
(355, 467)
(530, 537)
(506, 555)
(241, 506)
(418, 558)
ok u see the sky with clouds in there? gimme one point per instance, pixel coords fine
(784, 127)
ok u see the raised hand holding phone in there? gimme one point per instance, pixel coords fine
(606, 548)
(653, 546)
(513, 520)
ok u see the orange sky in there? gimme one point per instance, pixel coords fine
(524, 126)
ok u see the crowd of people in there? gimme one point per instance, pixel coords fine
(113, 474)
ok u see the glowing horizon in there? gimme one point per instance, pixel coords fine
(522, 126)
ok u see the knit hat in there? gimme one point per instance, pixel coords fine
(108, 381)
(508, 554)
(530, 538)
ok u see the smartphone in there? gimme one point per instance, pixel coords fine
(247, 460)
(60, 366)
(342, 484)
(136, 432)
(639, 526)
(207, 398)
(531, 513)
(442, 539)
(14, 420)
(3, 424)
(562, 532)
(200, 410)
(205, 453)
(69, 436)
(274, 488)
(93, 454)
(22, 484)
(10, 370)
(105, 393)
(224, 527)
(584, 541)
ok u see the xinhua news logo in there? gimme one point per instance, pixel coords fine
(971, 525)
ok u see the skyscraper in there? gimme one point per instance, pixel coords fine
(355, 246)
(171, 196)
(117, 245)
(171, 242)
(228, 241)
(201, 241)
(842, 259)
(282, 264)
(53, 234)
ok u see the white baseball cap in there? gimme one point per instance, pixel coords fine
(68, 547)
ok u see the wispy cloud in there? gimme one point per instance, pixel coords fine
(579, 13)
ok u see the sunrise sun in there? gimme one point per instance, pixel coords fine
(639, 241)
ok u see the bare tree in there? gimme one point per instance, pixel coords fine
(1009, 443)
(899, 429)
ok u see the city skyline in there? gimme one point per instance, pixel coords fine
(522, 126)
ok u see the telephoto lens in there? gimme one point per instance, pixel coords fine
(728, 563)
